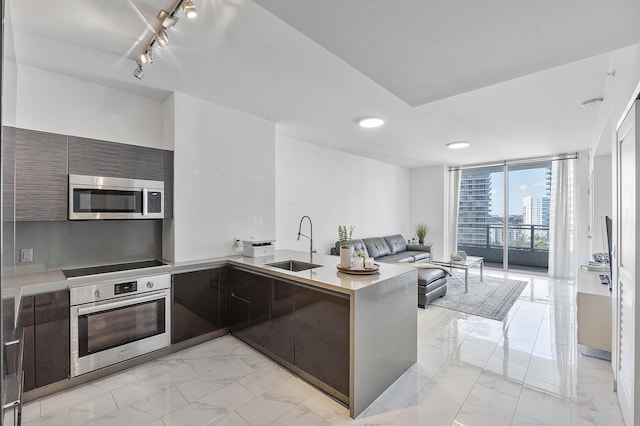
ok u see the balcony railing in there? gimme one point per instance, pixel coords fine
(528, 244)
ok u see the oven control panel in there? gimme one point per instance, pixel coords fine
(122, 288)
(100, 291)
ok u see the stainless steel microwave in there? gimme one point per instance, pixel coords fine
(95, 197)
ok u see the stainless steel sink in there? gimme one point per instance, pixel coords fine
(293, 265)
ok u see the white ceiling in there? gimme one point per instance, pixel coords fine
(507, 76)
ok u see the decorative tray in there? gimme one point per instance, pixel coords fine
(359, 271)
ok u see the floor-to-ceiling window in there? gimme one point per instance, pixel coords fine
(503, 214)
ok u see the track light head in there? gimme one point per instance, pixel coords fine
(189, 9)
(162, 38)
(147, 57)
(167, 20)
(138, 72)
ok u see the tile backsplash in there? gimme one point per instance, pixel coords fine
(61, 244)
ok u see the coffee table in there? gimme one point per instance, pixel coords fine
(462, 264)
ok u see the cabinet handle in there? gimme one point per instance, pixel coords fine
(238, 297)
(122, 303)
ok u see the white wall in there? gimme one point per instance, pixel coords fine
(55, 103)
(429, 203)
(224, 178)
(602, 199)
(618, 91)
(335, 188)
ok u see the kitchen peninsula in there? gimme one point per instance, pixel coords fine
(351, 336)
(380, 312)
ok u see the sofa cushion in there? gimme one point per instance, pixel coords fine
(357, 245)
(396, 243)
(419, 256)
(401, 257)
(377, 247)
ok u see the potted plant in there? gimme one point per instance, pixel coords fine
(346, 251)
(421, 232)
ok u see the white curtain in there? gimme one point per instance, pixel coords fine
(452, 216)
(562, 220)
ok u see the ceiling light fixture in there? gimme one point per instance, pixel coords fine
(160, 36)
(591, 102)
(138, 72)
(458, 145)
(371, 122)
(189, 9)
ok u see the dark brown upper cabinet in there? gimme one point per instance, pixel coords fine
(167, 176)
(101, 158)
(41, 182)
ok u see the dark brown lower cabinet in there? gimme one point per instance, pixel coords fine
(322, 337)
(26, 321)
(199, 304)
(51, 340)
(45, 321)
(305, 327)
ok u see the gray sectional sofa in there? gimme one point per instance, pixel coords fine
(432, 283)
(389, 249)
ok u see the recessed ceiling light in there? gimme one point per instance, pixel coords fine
(458, 145)
(590, 102)
(371, 122)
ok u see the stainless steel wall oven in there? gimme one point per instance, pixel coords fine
(112, 321)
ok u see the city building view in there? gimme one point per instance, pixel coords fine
(481, 215)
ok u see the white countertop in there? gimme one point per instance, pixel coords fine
(326, 276)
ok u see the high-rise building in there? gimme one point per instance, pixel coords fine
(547, 198)
(532, 208)
(475, 207)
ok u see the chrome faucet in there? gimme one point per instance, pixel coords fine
(311, 250)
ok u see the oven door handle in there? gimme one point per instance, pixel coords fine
(121, 303)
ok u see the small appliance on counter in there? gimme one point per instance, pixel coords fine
(262, 248)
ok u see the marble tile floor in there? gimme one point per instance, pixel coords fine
(471, 371)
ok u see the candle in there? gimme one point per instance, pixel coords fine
(368, 262)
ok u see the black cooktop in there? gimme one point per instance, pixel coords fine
(93, 270)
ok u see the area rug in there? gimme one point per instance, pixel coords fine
(491, 298)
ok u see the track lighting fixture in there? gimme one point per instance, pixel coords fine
(189, 9)
(161, 37)
(167, 20)
(147, 57)
(138, 72)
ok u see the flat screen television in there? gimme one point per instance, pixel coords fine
(609, 227)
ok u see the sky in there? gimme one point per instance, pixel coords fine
(522, 183)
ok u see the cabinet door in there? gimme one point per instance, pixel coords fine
(8, 159)
(41, 183)
(167, 177)
(195, 309)
(239, 304)
(278, 338)
(322, 336)
(51, 313)
(26, 321)
(101, 158)
(259, 312)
